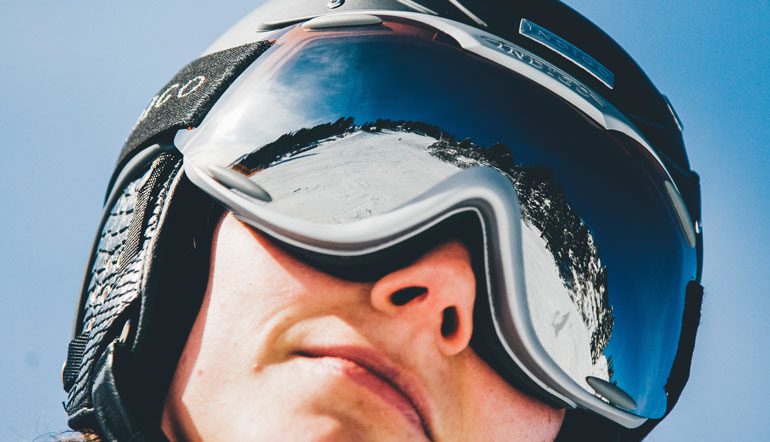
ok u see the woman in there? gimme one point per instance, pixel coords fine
(332, 359)
(410, 222)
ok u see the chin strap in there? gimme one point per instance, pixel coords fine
(114, 420)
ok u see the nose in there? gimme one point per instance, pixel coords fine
(435, 294)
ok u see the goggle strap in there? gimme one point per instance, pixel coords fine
(185, 100)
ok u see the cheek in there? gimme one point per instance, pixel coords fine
(493, 408)
(247, 300)
(252, 276)
(245, 269)
(234, 358)
(253, 293)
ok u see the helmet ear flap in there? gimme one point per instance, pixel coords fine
(148, 273)
(115, 281)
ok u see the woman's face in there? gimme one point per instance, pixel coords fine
(283, 351)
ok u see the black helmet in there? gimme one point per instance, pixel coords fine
(523, 116)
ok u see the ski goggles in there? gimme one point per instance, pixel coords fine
(354, 134)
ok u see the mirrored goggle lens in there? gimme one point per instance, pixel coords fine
(347, 176)
(340, 126)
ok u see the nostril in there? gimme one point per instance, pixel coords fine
(449, 322)
(403, 296)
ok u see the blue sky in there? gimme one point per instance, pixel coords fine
(75, 75)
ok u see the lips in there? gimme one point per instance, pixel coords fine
(371, 370)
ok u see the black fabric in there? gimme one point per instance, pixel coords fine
(139, 221)
(186, 99)
(114, 420)
(74, 357)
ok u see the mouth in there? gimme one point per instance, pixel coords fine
(369, 369)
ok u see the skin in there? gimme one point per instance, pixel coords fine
(275, 381)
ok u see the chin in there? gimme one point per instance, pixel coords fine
(317, 426)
